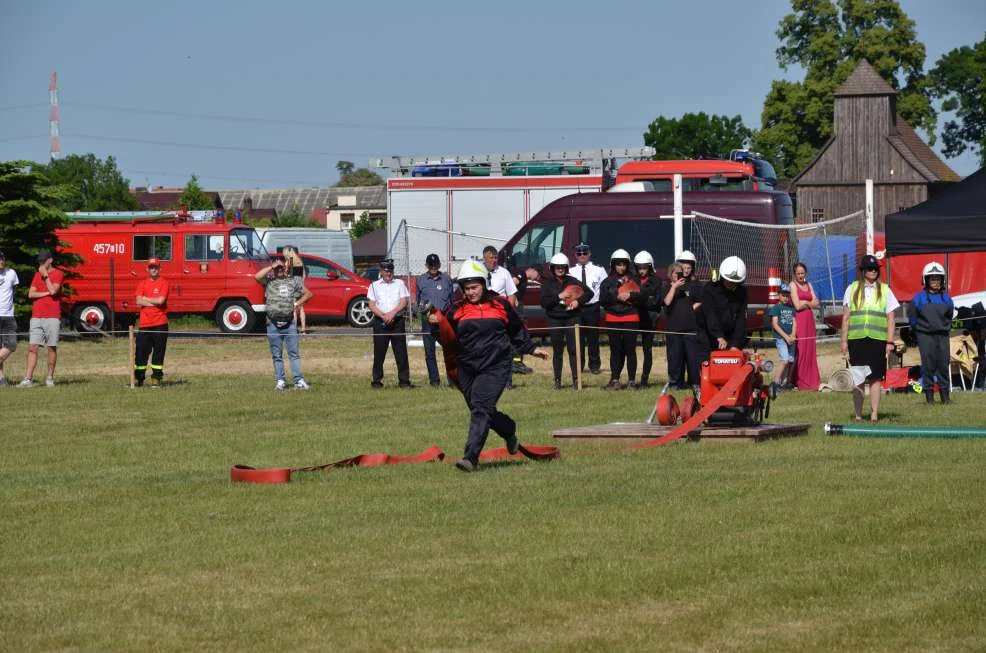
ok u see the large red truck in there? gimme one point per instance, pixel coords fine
(208, 263)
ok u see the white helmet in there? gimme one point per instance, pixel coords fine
(643, 258)
(559, 260)
(733, 269)
(687, 257)
(932, 269)
(472, 271)
(619, 255)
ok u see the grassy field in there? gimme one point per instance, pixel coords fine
(121, 530)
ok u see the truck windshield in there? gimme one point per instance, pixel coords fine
(245, 244)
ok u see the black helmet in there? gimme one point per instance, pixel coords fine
(387, 264)
(869, 262)
(432, 259)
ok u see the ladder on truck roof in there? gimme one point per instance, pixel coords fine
(596, 159)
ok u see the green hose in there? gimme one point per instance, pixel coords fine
(873, 431)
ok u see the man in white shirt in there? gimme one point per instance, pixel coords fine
(8, 325)
(498, 278)
(592, 276)
(388, 299)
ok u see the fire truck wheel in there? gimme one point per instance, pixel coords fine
(358, 313)
(91, 318)
(235, 316)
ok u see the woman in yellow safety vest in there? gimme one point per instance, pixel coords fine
(868, 330)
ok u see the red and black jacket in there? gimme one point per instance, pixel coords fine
(487, 332)
(614, 309)
(553, 307)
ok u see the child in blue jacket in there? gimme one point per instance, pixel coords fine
(931, 321)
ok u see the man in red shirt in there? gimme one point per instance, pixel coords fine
(46, 314)
(152, 339)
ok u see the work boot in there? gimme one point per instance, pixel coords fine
(513, 445)
(632, 385)
(557, 385)
(466, 465)
(945, 393)
(929, 395)
(613, 385)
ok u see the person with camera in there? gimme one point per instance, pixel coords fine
(283, 293)
(682, 294)
(388, 298)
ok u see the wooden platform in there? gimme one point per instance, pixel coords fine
(641, 430)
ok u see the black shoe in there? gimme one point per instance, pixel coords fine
(595, 371)
(557, 385)
(643, 384)
(613, 385)
(406, 386)
(632, 385)
(513, 446)
(376, 385)
(466, 465)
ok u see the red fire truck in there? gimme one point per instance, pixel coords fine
(209, 264)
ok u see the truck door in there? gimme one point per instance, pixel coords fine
(146, 246)
(203, 271)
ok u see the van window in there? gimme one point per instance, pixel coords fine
(146, 247)
(537, 246)
(204, 247)
(656, 235)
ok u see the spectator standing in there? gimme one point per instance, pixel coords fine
(868, 331)
(722, 321)
(388, 298)
(283, 294)
(592, 277)
(488, 330)
(785, 329)
(650, 285)
(297, 265)
(434, 289)
(46, 314)
(805, 301)
(621, 315)
(8, 325)
(931, 321)
(682, 295)
(562, 313)
(152, 339)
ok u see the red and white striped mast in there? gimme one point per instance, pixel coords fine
(54, 116)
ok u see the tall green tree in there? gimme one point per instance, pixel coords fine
(194, 198)
(959, 78)
(90, 184)
(345, 168)
(827, 39)
(30, 213)
(696, 136)
(359, 177)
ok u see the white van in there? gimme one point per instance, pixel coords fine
(334, 245)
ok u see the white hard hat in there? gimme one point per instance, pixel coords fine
(559, 259)
(643, 257)
(733, 269)
(686, 257)
(472, 270)
(619, 255)
(932, 269)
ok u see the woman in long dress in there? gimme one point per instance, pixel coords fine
(805, 301)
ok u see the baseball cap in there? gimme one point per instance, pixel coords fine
(44, 255)
(153, 262)
(786, 289)
(432, 259)
(582, 248)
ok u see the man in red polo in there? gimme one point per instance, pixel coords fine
(152, 339)
(46, 314)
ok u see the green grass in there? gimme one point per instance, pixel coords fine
(121, 530)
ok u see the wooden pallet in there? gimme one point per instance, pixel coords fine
(642, 430)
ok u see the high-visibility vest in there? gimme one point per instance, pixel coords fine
(870, 319)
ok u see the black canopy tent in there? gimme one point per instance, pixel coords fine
(952, 221)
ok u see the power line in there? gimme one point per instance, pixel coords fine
(342, 125)
(23, 138)
(185, 175)
(23, 106)
(231, 148)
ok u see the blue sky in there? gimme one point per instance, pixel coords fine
(145, 81)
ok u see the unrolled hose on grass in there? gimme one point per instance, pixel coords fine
(891, 431)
